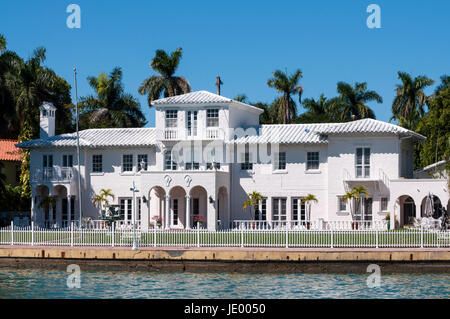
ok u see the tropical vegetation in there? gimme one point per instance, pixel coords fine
(111, 107)
(253, 200)
(166, 83)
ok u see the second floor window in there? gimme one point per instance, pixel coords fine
(47, 161)
(142, 162)
(279, 161)
(212, 118)
(169, 163)
(362, 162)
(192, 123)
(67, 161)
(171, 118)
(127, 163)
(97, 163)
(246, 161)
(312, 160)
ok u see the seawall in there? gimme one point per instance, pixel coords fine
(290, 260)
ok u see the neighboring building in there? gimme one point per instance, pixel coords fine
(11, 159)
(435, 170)
(229, 155)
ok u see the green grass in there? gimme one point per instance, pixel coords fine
(233, 238)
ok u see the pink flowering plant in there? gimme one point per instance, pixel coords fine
(158, 220)
(200, 220)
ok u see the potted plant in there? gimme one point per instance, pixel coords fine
(253, 200)
(158, 221)
(308, 200)
(200, 220)
(388, 219)
(356, 193)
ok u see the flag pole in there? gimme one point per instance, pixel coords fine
(78, 144)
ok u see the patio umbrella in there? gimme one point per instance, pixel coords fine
(429, 206)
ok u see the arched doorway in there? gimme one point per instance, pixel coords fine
(156, 206)
(177, 196)
(407, 210)
(199, 206)
(437, 205)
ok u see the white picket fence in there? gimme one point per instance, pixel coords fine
(308, 225)
(329, 238)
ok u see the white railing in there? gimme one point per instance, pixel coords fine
(329, 238)
(170, 134)
(212, 133)
(309, 225)
(54, 174)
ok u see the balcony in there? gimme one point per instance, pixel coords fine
(178, 134)
(380, 181)
(54, 174)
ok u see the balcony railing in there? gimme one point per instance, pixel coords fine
(170, 134)
(54, 174)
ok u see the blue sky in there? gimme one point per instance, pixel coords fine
(242, 41)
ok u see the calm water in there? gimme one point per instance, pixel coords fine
(98, 284)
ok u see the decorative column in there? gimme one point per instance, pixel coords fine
(69, 209)
(167, 218)
(188, 212)
(50, 209)
(33, 213)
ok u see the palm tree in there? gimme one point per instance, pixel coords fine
(253, 200)
(353, 100)
(284, 106)
(409, 103)
(356, 193)
(47, 202)
(10, 65)
(322, 110)
(101, 200)
(111, 107)
(308, 200)
(166, 83)
(445, 83)
(241, 98)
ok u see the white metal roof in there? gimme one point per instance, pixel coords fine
(368, 126)
(276, 133)
(120, 137)
(198, 97)
(317, 133)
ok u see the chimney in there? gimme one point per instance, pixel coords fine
(47, 120)
(218, 84)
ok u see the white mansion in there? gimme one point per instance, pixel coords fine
(207, 152)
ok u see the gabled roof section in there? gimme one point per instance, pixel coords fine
(9, 152)
(119, 137)
(318, 133)
(198, 97)
(201, 98)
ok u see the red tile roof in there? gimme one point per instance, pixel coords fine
(9, 152)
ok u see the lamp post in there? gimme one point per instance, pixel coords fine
(133, 209)
(78, 144)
